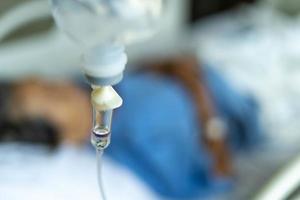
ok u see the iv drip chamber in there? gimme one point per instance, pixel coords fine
(104, 101)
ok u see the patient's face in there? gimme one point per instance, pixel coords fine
(64, 105)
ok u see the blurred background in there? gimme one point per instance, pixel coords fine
(211, 106)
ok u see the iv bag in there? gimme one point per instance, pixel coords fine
(93, 22)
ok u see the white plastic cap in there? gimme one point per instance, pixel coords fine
(105, 98)
(105, 62)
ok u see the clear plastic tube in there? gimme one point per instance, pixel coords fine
(104, 100)
(102, 119)
(100, 137)
(99, 154)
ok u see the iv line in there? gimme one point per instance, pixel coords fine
(99, 154)
(104, 101)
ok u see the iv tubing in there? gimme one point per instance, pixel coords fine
(99, 154)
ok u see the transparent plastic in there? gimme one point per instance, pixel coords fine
(91, 22)
(99, 154)
(100, 137)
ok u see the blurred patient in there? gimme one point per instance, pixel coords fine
(193, 101)
(44, 112)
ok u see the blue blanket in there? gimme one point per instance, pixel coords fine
(156, 133)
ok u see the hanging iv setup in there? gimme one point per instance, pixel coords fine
(104, 100)
(101, 28)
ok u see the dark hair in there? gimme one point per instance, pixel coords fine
(203, 8)
(29, 131)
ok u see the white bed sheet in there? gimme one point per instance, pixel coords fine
(32, 173)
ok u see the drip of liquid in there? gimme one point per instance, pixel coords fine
(99, 154)
(100, 138)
